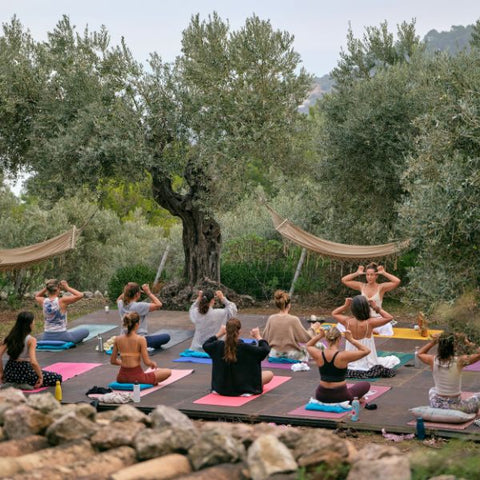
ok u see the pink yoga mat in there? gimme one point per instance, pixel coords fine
(67, 370)
(223, 401)
(372, 394)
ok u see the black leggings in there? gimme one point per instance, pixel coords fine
(18, 371)
(342, 393)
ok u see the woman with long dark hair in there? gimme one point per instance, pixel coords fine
(236, 365)
(372, 290)
(132, 349)
(447, 369)
(362, 324)
(129, 301)
(207, 320)
(22, 366)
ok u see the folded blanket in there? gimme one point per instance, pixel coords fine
(128, 386)
(116, 397)
(53, 348)
(51, 342)
(341, 407)
(194, 353)
(282, 360)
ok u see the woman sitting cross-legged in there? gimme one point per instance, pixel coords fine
(133, 349)
(22, 366)
(361, 324)
(447, 374)
(236, 365)
(333, 363)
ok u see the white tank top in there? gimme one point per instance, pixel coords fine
(24, 355)
(448, 379)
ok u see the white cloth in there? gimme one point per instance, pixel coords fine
(366, 363)
(386, 329)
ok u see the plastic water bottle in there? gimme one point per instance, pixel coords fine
(355, 410)
(420, 429)
(418, 362)
(136, 392)
(58, 391)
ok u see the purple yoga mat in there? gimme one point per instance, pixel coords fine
(474, 367)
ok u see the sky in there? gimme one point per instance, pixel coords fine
(319, 26)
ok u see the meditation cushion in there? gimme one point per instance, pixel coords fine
(340, 407)
(51, 342)
(63, 346)
(128, 386)
(194, 353)
(282, 360)
(442, 415)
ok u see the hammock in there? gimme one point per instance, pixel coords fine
(13, 258)
(332, 249)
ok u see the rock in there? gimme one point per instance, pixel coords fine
(267, 456)
(164, 417)
(394, 468)
(12, 396)
(22, 421)
(128, 413)
(43, 402)
(376, 451)
(162, 468)
(320, 446)
(98, 467)
(23, 446)
(224, 471)
(2, 434)
(117, 434)
(152, 443)
(445, 477)
(82, 409)
(98, 294)
(70, 427)
(290, 436)
(239, 431)
(62, 455)
(87, 294)
(213, 448)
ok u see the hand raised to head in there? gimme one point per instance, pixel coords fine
(255, 333)
(380, 269)
(360, 269)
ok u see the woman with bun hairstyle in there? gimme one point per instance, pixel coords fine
(133, 349)
(236, 366)
(361, 324)
(22, 366)
(372, 290)
(129, 301)
(333, 365)
(284, 332)
(55, 311)
(207, 320)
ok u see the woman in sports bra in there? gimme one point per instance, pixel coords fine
(372, 290)
(333, 364)
(133, 349)
(362, 324)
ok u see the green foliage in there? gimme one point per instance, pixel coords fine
(455, 40)
(139, 273)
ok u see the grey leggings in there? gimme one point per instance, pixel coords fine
(75, 336)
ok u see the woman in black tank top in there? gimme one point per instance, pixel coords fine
(333, 363)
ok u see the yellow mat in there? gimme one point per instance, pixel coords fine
(408, 333)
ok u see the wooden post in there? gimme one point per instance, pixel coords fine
(297, 271)
(162, 265)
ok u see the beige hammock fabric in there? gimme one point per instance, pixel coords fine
(13, 258)
(332, 249)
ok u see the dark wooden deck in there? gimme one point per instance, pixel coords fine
(409, 387)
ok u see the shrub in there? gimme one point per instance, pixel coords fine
(139, 273)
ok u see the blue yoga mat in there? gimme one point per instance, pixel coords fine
(128, 386)
(95, 329)
(55, 348)
(206, 361)
(201, 357)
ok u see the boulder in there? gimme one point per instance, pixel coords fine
(394, 468)
(82, 409)
(43, 402)
(128, 413)
(98, 294)
(267, 456)
(12, 396)
(224, 471)
(117, 434)
(240, 431)
(23, 446)
(152, 443)
(164, 417)
(70, 427)
(23, 421)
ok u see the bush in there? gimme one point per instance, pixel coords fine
(139, 273)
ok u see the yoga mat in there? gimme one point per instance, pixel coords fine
(176, 375)
(372, 394)
(206, 361)
(95, 329)
(282, 366)
(474, 367)
(67, 370)
(176, 336)
(410, 333)
(223, 401)
(404, 357)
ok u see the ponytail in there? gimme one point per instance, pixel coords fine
(231, 340)
(205, 300)
(130, 320)
(131, 289)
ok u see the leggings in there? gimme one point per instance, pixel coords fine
(156, 341)
(468, 405)
(75, 336)
(19, 371)
(342, 393)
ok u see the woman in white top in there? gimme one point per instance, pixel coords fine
(208, 320)
(22, 366)
(447, 374)
(372, 290)
(361, 324)
(55, 311)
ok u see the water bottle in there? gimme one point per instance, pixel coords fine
(355, 410)
(100, 343)
(58, 391)
(418, 362)
(107, 308)
(420, 429)
(136, 392)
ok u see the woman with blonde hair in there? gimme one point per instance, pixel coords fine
(133, 349)
(372, 290)
(333, 365)
(284, 332)
(236, 365)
